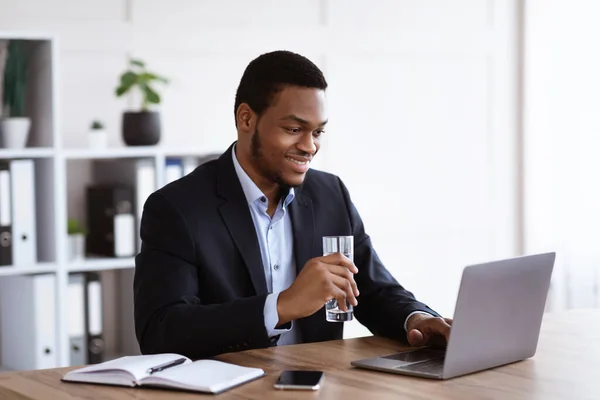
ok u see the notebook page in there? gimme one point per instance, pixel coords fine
(204, 375)
(137, 366)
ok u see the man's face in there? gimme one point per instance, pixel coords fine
(287, 135)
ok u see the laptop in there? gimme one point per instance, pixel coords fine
(497, 321)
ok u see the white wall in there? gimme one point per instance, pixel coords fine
(562, 128)
(422, 104)
(424, 132)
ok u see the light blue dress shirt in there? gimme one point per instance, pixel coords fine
(275, 237)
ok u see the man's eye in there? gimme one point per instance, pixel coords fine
(293, 130)
(318, 133)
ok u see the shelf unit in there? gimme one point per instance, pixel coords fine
(127, 152)
(100, 264)
(41, 152)
(52, 182)
(38, 268)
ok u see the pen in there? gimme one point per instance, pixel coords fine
(166, 365)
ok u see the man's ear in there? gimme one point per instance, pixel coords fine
(245, 118)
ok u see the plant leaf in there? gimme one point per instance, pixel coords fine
(75, 227)
(137, 63)
(128, 79)
(151, 96)
(149, 77)
(121, 90)
(15, 77)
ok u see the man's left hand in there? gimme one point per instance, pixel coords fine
(427, 330)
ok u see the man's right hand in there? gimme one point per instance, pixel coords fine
(321, 279)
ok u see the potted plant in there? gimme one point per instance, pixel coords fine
(14, 124)
(76, 233)
(141, 128)
(97, 137)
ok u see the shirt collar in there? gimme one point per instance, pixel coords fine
(251, 191)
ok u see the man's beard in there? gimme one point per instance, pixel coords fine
(258, 159)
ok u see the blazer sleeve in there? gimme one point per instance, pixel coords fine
(169, 314)
(383, 304)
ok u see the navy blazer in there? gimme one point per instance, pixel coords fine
(200, 287)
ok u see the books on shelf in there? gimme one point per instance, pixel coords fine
(111, 221)
(139, 174)
(167, 371)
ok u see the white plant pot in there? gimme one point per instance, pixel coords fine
(76, 247)
(97, 139)
(14, 132)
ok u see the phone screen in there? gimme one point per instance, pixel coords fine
(299, 380)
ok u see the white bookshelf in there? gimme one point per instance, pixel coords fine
(101, 264)
(53, 187)
(40, 152)
(109, 153)
(38, 268)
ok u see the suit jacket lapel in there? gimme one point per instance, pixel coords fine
(237, 218)
(303, 226)
(306, 246)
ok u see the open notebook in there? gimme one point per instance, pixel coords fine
(208, 376)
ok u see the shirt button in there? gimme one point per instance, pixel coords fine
(276, 267)
(263, 199)
(271, 228)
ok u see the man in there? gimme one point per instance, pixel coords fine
(231, 253)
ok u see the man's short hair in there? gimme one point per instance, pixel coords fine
(267, 74)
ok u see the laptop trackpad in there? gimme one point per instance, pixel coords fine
(416, 356)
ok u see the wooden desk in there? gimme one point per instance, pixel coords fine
(566, 366)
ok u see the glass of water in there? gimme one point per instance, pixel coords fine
(344, 245)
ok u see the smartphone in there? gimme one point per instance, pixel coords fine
(303, 380)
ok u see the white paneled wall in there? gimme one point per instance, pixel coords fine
(422, 104)
(87, 83)
(63, 10)
(424, 133)
(410, 14)
(427, 126)
(231, 14)
(562, 127)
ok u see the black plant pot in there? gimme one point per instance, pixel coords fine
(141, 128)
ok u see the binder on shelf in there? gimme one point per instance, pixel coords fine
(27, 317)
(5, 216)
(140, 174)
(189, 164)
(77, 329)
(111, 221)
(208, 157)
(93, 318)
(173, 169)
(24, 244)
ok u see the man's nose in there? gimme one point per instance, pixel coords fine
(307, 144)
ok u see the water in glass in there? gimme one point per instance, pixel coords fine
(344, 245)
